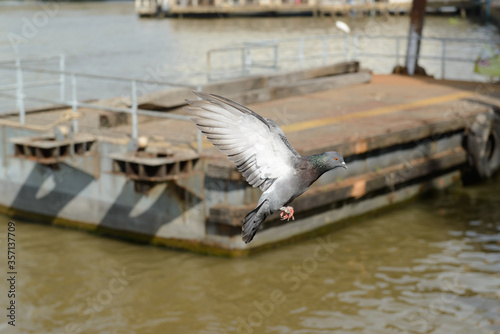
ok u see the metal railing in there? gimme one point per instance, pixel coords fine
(242, 60)
(20, 95)
(239, 60)
(252, 58)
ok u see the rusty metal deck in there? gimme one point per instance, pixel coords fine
(352, 119)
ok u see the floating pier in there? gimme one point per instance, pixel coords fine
(400, 137)
(150, 8)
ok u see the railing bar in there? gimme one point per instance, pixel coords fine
(143, 112)
(29, 59)
(381, 55)
(96, 76)
(32, 84)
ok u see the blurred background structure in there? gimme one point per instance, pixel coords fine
(94, 137)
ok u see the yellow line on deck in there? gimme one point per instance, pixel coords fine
(374, 112)
(366, 113)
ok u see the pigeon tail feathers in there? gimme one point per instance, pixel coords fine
(253, 220)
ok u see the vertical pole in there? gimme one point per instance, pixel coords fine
(352, 12)
(276, 56)
(324, 49)
(199, 140)
(301, 52)
(134, 109)
(74, 103)
(443, 58)
(209, 69)
(355, 46)
(397, 51)
(248, 58)
(416, 25)
(62, 78)
(487, 11)
(346, 47)
(243, 60)
(20, 91)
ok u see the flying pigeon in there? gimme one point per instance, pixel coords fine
(262, 153)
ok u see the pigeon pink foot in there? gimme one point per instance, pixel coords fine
(287, 213)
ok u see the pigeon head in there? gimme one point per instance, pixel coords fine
(334, 160)
(327, 161)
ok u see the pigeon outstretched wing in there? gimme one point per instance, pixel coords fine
(257, 146)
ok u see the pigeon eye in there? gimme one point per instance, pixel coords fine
(336, 159)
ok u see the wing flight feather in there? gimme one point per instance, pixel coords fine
(257, 146)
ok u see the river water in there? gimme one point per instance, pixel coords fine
(432, 266)
(107, 38)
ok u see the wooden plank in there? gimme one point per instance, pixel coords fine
(250, 89)
(316, 85)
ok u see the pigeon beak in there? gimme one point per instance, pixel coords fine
(344, 165)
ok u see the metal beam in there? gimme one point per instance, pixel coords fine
(416, 26)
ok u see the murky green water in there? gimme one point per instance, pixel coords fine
(432, 266)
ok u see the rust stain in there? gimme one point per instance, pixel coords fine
(441, 182)
(358, 189)
(390, 198)
(361, 147)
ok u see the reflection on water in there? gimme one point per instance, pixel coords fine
(430, 267)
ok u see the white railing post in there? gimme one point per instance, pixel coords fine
(199, 136)
(355, 46)
(20, 91)
(62, 78)
(443, 57)
(243, 61)
(275, 60)
(74, 103)
(397, 51)
(346, 47)
(209, 60)
(301, 52)
(199, 140)
(324, 49)
(134, 109)
(246, 60)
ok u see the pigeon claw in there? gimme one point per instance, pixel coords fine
(287, 213)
